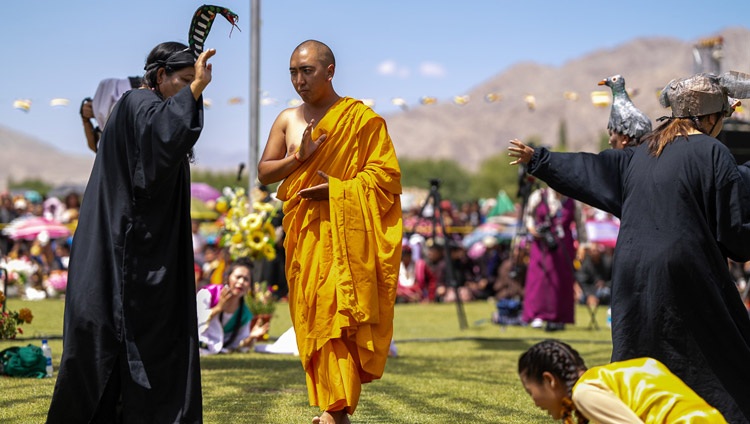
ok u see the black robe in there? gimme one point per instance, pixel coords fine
(673, 298)
(130, 310)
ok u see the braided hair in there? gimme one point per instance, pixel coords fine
(560, 360)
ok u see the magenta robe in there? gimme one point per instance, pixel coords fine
(548, 294)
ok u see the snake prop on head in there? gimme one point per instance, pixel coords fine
(201, 25)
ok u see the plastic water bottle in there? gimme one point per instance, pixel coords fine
(47, 352)
(609, 317)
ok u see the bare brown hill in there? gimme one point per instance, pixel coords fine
(25, 157)
(479, 129)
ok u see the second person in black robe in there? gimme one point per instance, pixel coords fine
(683, 213)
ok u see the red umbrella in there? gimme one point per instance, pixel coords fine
(28, 228)
(204, 192)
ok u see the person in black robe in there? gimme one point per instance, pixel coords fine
(684, 209)
(130, 340)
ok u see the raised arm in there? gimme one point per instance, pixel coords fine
(202, 73)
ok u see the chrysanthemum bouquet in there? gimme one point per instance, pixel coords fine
(11, 321)
(18, 270)
(248, 233)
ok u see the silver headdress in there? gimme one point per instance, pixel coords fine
(704, 94)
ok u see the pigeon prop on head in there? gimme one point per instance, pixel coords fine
(624, 117)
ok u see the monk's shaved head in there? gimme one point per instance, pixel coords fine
(322, 52)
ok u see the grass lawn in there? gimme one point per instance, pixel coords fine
(442, 373)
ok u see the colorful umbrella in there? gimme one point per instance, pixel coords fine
(204, 192)
(28, 228)
(502, 230)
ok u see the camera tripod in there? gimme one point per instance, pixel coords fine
(434, 198)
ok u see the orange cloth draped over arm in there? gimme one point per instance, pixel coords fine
(343, 255)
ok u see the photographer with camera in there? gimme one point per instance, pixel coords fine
(550, 278)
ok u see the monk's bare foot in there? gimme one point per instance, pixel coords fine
(332, 417)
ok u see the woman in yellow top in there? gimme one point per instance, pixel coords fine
(640, 390)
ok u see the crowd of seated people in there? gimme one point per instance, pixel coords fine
(35, 267)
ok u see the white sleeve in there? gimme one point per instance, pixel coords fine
(210, 333)
(528, 217)
(600, 405)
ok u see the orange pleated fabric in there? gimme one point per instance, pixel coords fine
(343, 254)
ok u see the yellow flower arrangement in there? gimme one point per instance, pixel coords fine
(248, 233)
(11, 321)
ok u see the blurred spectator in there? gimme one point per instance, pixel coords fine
(413, 278)
(508, 295)
(470, 214)
(71, 205)
(215, 262)
(53, 209)
(549, 293)
(223, 316)
(7, 214)
(463, 274)
(594, 277)
(487, 267)
(62, 253)
(199, 242)
(20, 206)
(435, 260)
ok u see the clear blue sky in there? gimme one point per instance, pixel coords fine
(384, 49)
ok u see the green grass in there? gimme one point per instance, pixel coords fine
(442, 374)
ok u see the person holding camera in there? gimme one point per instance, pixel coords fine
(548, 293)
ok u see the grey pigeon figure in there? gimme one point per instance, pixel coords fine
(624, 117)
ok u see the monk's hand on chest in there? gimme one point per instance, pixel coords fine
(317, 192)
(307, 145)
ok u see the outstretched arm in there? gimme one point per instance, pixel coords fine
(595, 179)
(520, 151)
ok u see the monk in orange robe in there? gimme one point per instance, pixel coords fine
(342, 218)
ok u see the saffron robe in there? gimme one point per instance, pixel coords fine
(640, 390)
(343, 254)
(682, 215)
(130, 312)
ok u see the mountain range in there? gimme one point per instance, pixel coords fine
(477, 129)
